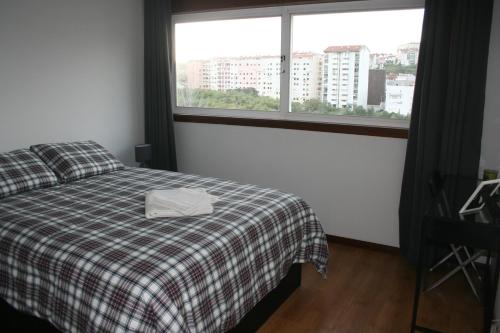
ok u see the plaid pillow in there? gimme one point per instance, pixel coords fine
(22, 170)
(77, 160)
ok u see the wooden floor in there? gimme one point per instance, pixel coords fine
(372, 291)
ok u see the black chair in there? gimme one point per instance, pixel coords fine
(442, 209)
(442, 230)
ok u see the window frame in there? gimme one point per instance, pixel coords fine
(286, 13)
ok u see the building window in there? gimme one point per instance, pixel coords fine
(370, 49)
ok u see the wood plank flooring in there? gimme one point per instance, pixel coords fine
(372, 291)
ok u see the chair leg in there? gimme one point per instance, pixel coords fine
(418, 287)
(473, 264)
(440, 262)
(461, 266)
(451, 254)
(416, 300)
(487, 298)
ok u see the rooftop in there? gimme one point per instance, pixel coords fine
(344, 48)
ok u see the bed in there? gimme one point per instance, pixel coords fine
(82, 256)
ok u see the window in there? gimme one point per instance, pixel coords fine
(351, 62)
(245, 52)
(374, 61)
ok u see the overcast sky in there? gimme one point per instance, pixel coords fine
(381, 31)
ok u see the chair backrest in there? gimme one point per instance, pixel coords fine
(491, 205)
(439, 197)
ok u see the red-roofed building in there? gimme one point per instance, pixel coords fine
(345, 75)
(344, 48)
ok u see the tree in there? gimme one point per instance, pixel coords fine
(249, 99)
(400, 69)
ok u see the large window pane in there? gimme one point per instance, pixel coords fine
(229, 64)
(358, 63)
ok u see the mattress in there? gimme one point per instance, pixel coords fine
(83, 256)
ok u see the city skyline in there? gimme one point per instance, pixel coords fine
(339, 76)
(293, 54)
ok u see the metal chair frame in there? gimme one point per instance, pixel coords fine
(436, 185)
(464, 234)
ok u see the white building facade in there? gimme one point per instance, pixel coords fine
(306, 77)
(408, 54)
(399, 94)
(379, 60)
(345, 76)
(222, 74)
(339, 76)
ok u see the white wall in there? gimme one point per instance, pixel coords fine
(71, 70)
(352, 182)
(491, 129)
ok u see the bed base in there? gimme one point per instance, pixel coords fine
(16, 321)
(266, 307)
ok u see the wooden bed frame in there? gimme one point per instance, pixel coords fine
(16, 321)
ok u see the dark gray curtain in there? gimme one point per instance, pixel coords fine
(159, 123)
(447, 114)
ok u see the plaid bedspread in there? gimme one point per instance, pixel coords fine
(83, 256)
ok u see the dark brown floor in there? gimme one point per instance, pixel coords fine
(372, 291)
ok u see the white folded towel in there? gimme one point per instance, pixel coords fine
(179, 202)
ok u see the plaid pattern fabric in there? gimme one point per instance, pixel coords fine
(83, 256)
(76, 160)
(21, 170)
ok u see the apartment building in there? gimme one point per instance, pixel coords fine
(340, 76)
(341, 73)
(221, 74)
(379, 60)
(345, 75)
(408, 54)
(306, 76)
(399, 93)
(376, 88)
